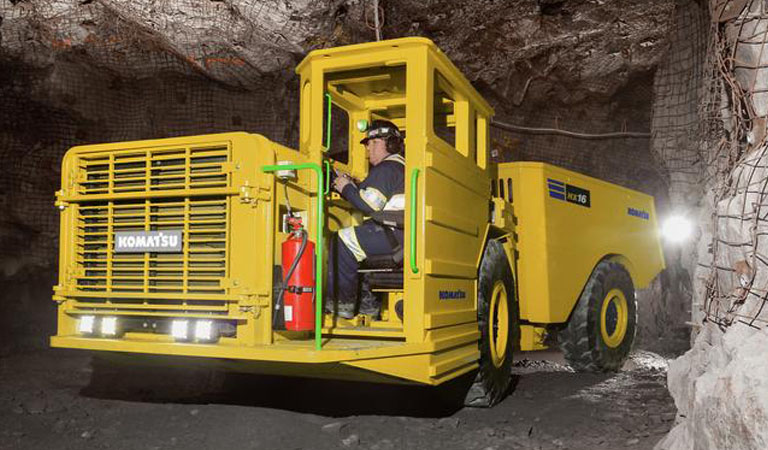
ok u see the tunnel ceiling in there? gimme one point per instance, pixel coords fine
(558, 52)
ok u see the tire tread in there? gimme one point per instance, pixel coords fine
(491, 384)
(580, 340)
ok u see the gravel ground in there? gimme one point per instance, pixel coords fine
(48, 401)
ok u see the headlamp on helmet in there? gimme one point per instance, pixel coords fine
(380, 129)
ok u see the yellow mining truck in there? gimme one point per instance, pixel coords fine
(171, 246)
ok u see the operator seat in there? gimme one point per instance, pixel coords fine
(385, 271)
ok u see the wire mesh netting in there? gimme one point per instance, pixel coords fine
(737, 287)
(709, 129)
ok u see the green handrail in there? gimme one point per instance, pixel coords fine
(318, 244)
(328, 124)
(412, 232)
(327, 177)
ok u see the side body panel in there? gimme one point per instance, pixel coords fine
(567, 223)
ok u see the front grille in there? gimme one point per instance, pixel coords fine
(181, 185)
(153, 170)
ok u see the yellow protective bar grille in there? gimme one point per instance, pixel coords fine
(191, 280)
(153, 170)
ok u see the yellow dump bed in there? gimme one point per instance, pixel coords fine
(566, 224)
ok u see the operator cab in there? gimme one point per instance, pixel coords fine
(410, 83)
(353, 99)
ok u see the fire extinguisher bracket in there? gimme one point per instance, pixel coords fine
(300, 289)
(319, 221)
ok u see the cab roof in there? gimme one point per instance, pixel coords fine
(405, 45)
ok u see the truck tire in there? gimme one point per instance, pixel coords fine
(497, 313)
(602, 327)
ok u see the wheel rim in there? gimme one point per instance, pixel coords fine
(498, 324)
(614, 317)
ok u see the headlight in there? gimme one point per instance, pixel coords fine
(180, 329)
(109, 326)
(676, 229)
(86, 324)
(204, 330)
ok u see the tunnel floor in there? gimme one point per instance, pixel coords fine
(47, 400)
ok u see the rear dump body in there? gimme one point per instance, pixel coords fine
(210, 193)
(566, 223)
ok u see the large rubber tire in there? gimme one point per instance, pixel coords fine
(497, 318)
(601, 330)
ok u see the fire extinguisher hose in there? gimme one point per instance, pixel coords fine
(294, 264)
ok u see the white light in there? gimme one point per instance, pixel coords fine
(676, 229)
(204, 330)
(85, 326)
(180, 329)
(109, 326)
(287, 174)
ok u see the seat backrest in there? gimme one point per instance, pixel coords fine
(389, 218)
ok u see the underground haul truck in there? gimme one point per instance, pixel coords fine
(214, 248)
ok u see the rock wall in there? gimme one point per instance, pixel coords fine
(720, 386)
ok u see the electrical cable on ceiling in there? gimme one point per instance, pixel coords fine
(573, 134)
(376, 21)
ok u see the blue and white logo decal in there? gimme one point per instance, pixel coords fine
(453, 295)
(568, 192)
(556, 189)
(638, 213)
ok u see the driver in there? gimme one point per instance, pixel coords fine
(382, 189)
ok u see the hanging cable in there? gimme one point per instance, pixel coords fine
(378, 19)
(287, 202)
(573, 134)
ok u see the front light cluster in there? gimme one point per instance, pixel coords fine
(104, 326)
(201, 330)
(182, 330)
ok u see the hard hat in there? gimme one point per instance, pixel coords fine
(381, 129)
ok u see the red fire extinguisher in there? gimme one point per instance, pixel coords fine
(299, 281)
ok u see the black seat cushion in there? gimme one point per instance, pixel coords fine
(385, 280)
(383, 271)
(378, 262)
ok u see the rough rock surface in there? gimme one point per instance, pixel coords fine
(721, 385)
(720, 391)
(543, 46)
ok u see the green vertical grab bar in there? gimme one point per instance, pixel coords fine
(318, 245)
(328, 124)
(412, 233)
(327, 177)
